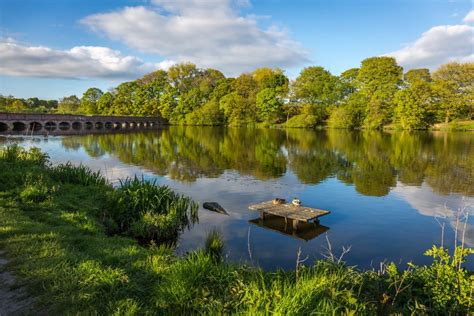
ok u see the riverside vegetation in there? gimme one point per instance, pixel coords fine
(376, 95)
(85, 247)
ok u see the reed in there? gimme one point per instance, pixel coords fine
(82, 175)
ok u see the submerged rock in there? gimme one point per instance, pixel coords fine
(215, 207)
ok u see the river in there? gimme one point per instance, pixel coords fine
(390, 193)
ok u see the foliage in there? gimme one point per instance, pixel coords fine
(89, 101)
(453, 86)
(69, 105)
(317, 86)
(30, 105)
(378, 80)
(269, 105)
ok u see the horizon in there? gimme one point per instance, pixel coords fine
(52, 49)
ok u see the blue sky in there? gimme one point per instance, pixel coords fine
(54, 48)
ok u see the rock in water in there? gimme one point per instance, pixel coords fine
(215, 207)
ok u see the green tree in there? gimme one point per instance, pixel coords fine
(269, 105)
(378, 80)
(18, 105)
(184, 76)
(168, 102)
(105, 103)
(237, 109)
(454, 90)
(69, 105)
(271, 78)
(348, 81)
(124, 101)
(413, 104)
(89, 101)
(317, 86)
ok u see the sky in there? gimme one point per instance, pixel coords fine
(55, 48)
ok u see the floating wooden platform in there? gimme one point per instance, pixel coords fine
(289, 211)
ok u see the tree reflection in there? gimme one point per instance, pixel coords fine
(371, 161)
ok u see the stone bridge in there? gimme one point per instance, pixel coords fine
(25, 123)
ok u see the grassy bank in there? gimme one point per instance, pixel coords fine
(84, 247)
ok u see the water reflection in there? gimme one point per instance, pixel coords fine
(371, 161)
(306, 230)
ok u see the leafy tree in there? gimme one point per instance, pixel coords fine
(350, 114)
(89, 101)
(237, 109)
(413, 104)
(317, 86)
(246, 86)
(18, 105)
(183, 76)
(69, 105)
(105, 103)
(348, 81)
(168, 102)
(269, 105)
(271, 78)
(124, 101)
(378, 80)
(454, 89)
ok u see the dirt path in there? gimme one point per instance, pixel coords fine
(14, 300)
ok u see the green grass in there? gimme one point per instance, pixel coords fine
(64, 240)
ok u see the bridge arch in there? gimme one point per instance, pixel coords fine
(76, 125)
(64, 126)
(98, 125)
(117, 125)
(108, 125)
(19, 126)
(88, 125)
(3, 127)
(50, 126)
(35, 126)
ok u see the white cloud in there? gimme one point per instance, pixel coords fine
(210, 33)
(438, 45)
(77, 62)
(469, 18)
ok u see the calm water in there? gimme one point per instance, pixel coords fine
(389, 193)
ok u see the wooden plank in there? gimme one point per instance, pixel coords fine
(290, 211)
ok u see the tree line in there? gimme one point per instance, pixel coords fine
(375, 95)
(33, 105)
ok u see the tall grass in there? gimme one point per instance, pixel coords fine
(151, 212)
(82, 175)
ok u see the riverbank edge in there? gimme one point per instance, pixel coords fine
(60, 249)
